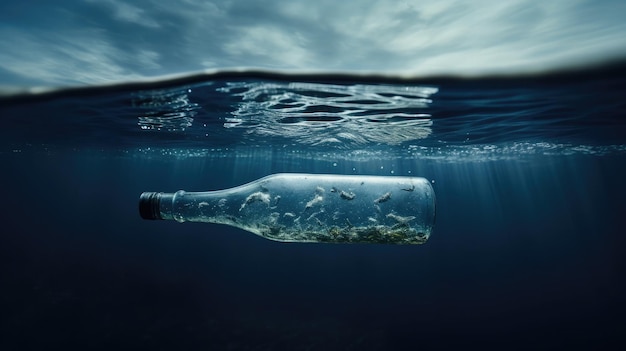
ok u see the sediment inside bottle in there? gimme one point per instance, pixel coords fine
(379, 234)
(289, 227)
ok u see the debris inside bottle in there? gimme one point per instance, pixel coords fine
(384, 198)
(258, 196)
(276, 200)
(411, 188)
(401, 220)
(319, 191)
(347, 195)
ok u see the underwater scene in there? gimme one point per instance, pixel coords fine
(524, 248)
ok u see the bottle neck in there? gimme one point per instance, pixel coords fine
(166, 205)
(156, 205)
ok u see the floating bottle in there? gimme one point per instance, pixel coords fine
(293, 207)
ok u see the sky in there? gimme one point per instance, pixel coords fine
(89, 42)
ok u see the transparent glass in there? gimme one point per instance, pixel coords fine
(313, 208)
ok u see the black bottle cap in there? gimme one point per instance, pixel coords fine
(149, 205)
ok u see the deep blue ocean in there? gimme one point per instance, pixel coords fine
(527, 251)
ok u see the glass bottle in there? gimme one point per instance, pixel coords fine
(292, 207)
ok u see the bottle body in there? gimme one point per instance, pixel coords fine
(295, 207)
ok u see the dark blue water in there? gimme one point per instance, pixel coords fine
(528, 249)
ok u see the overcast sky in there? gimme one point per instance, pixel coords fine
(76, 42)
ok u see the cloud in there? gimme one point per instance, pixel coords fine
(128, 13)
(69, 58)
(114, 40)
(272, 45)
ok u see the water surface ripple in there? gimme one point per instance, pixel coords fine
(343, 114)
